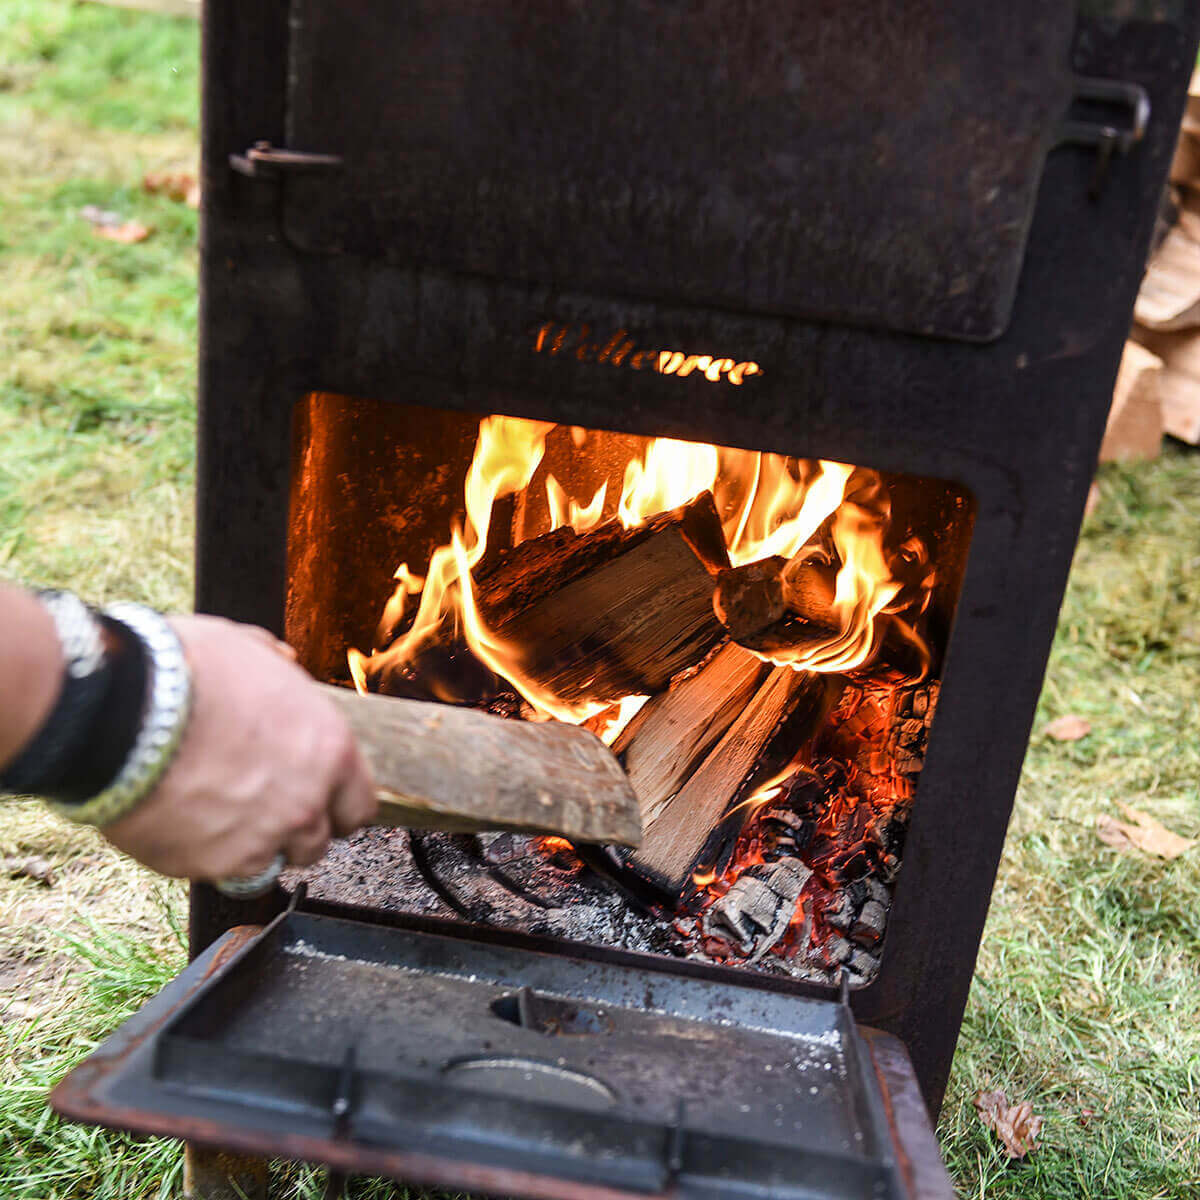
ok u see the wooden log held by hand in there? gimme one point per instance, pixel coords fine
(440, 767)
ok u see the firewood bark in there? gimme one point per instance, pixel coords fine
(673, 732)
(615, 612)
(783, 717)
(455, 769)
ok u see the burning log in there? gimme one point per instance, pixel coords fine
(662, 746)
(774, 606)
(758, 909)
(784, 715)
(763, 613)
(614, 612)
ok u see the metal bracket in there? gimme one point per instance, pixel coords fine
(1107, 136)
(264, 161)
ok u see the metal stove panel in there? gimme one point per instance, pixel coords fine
(377, 1040)
(860, 164)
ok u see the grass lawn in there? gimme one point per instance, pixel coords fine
(1086, 999)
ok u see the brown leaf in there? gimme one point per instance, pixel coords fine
(1014, 1124)
(130, 231)
(178, 185)
(37, 869)
(1141, 832)
(1068, 729)
(113, 226)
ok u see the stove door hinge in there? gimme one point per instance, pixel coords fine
(1109, 114)
(264, 161)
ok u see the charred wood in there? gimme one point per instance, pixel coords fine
(766, 607)
(861, 967)
(445, 671)
(869, 925)
(774, 607)
(756, 912)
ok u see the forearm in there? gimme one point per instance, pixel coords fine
(30, 669)
(195, 744)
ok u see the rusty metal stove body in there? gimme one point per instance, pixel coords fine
(926, 227)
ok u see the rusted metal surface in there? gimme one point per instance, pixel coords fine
(908, 1120)
(192, 1065)
(1018, 421)
(72, 1096)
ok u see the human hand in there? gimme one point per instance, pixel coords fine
(267, 764)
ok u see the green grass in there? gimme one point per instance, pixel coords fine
(1087, 991)
(97, 339)
(1087, 995)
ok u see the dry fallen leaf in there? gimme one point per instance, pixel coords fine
(38, 869)
(1142, 832)
(1014, 1124)
(178, 185)
(1068, 729)
(113, 226)
(130, 231)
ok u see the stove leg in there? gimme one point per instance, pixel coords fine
(335, 1185)
(215, 1175)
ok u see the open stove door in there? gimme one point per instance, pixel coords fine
(869, 164)
(508, 1071)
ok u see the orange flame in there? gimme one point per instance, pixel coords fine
(565, 511)
(771, 505)
(671, 474)
(627, 708)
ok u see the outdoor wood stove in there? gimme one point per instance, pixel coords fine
(727, 376)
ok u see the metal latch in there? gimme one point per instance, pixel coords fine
(264, 161)
(1113, 116)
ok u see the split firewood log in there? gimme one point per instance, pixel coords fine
(763, 612)
(439, 767)
(666, 741)
(614, 612)
(774, 606)
(773, 729)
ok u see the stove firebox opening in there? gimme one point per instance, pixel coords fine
(759, 638)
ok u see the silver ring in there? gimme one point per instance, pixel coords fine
(250, 887)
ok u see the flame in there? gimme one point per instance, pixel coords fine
(549, 844)
(507, 454)
(494, 652)
(671, 474)
(765, 792)
(614, 722)
(770, 505)
(768, 525)
(565, 511)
